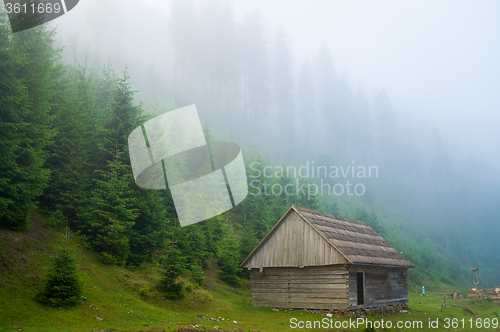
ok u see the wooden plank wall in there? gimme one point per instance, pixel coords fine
(295, 244)
(383, 286)
(323, 287)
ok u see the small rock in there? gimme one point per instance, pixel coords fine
(98, 318)
(234, 321)
(329, 315)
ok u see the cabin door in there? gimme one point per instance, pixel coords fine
(360, 288)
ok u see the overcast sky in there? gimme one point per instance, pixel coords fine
(438, 60)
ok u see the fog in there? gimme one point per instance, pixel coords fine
(409, 86)
(437, 61)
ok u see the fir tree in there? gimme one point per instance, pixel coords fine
(284, 90)
(71, 155)
(173, 265)
(63, 286)
(109, 217)
(228, 259)
(328, 83)
(27, 71)
(255, 61)
(306, 101)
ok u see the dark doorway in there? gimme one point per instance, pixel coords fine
(360, 288)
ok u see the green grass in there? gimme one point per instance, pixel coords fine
(113, 294)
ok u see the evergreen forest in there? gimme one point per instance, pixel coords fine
(66, 113)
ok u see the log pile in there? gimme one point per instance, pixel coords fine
(494, 293)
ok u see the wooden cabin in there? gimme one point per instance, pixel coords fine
(316, 260)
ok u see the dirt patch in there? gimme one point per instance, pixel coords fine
(36, 230)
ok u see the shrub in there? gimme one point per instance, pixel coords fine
(144, 290)
(197, 274)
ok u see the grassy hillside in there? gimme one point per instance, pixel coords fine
(127, 300)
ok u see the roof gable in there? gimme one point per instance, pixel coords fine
(293, 242)
(300, 240)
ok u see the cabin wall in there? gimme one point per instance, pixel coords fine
(295, 244)
(322, 287)
(382, 286)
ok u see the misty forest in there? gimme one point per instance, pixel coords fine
(66, 111)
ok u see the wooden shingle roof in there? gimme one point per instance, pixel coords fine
(357, 242)
(355, 239)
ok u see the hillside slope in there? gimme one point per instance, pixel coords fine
(123, 298)
(119, 299)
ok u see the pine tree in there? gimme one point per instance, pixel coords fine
(328, 91)
(344, 119)
(71, 156)
(173, 264)
(184, 27)
(306, 102)
(371, 219)
(255, 62)
(388, 142)
(106, 221)
(26, 93)
(284, 90)
(63, 286)
(228, 259)
(217, 66)
(363, 130)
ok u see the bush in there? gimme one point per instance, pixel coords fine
(63, 286)
(144, 290)
(56, 220)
